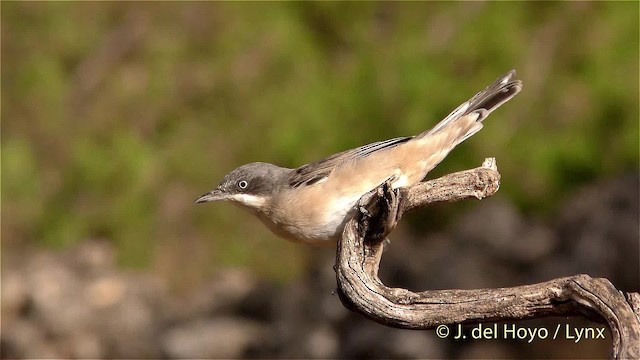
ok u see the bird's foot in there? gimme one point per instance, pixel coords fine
(378, 212)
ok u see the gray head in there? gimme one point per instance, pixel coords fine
(251, 185)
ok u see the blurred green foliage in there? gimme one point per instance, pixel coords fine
(117, 115)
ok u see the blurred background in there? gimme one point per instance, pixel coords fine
(117, 115)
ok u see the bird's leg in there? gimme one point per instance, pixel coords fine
(378, 212)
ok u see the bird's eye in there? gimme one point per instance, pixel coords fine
(242, 184)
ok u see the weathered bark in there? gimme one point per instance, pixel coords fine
(360, 250)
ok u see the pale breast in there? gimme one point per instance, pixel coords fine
(312, 214)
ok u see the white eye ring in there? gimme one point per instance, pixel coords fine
(242, 184)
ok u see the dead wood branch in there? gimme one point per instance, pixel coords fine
(360, 251)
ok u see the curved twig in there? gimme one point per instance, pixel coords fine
(360, 250)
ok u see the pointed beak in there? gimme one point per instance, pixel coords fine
(213, 195)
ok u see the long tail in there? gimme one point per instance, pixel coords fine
(469, 115)
(464, 121)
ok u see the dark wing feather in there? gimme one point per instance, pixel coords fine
(312, 173)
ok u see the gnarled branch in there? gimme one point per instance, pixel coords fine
(360, 250)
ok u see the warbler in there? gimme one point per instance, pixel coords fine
(312, 203)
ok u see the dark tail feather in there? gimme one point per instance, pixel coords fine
(482, 104)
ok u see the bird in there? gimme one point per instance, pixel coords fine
(312, 203)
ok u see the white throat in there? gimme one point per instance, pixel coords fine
(253, 202)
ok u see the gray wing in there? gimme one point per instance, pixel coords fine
(312, 173)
